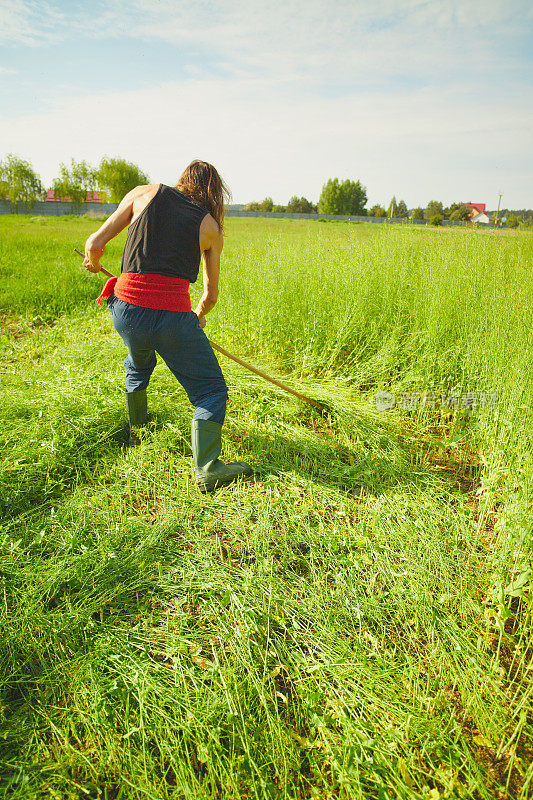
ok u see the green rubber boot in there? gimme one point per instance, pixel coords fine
(137, 406)
(210, 472)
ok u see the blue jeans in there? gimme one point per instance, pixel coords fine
(183, 346)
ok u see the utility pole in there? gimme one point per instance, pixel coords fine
(498, 211)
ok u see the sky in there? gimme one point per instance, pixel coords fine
(421, 99)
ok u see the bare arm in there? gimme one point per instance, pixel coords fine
(119, 219)
(211, 273)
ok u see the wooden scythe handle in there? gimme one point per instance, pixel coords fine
(266, 377)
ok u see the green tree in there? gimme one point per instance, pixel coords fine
(116, 177)
(329, 201)
(457, 211)
(512, 222)
(433, 208)
(348, 198)
(401, 210)
(301, 205)
(436, 219)
(455, 216)
(253, 206)
(18, 182)
(74, 183)
(278, 208)
(267, 204)
(377, 211)
(418, 213)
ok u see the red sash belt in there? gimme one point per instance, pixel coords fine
(149, 290)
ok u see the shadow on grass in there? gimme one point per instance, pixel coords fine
(81, 450)
(376, 463)
(73, 460)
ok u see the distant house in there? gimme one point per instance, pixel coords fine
(477, 212)
(90, 197)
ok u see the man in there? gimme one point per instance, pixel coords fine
(170, 228)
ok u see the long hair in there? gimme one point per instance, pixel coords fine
(201, 182)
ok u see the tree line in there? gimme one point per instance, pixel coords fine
(349, 198)
(113, 178)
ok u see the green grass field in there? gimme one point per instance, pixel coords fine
(354, 624)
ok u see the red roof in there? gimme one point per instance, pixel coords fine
(97, 197)
(91, 197)
(478, 207)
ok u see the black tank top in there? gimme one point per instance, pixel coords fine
(164, 238)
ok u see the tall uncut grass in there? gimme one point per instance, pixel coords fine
(354, 624)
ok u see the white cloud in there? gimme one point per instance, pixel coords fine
(284, 94)
(346, 41)
(8, 71)
(31, 22)
(273, 140)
